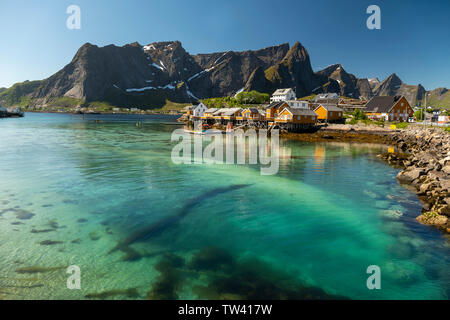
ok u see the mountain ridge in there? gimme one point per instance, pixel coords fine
(146, 76)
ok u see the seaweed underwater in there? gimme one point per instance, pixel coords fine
(158, 227)
(224, 277)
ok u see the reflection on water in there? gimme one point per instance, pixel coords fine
(72, 189)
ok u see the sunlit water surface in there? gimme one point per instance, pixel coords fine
(71, 189)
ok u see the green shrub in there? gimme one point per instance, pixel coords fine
(353, 121)
(358, 114)
(402, 125)
(419, 115)
(252, 97)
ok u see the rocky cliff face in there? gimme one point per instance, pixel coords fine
(343, 83)
(145, 76)
(393, 85)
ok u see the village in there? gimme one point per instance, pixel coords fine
(287, 112)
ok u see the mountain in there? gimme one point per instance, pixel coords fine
(148, 76)
(342, 82)
(393, 85)
(438, 98)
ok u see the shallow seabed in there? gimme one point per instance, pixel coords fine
(72, 189)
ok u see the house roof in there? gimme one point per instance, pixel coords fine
(220, 111)
(300, 112)
(381, 104)
(200, 105)
(262, 112)
(231, 111)
(211, 110)
(275, 104)
(330, 107)
(281, 91)
(253, 110)
(328, 101)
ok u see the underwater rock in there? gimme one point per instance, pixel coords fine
(20, 213)
(37, 269)
(47, 205)
(81, 220)
(76, 241)
(42, 231)
(33, 286)
(401, 250)
(130, 293)
(69, 201)
(94, 236)
(50, 242)
(401, 272)
(23, 214)
(54, 225)
(211, 258)
(391, 214)
(170, 281)
(130, 255)
(169, 260)
(15, 223)
(371, 194)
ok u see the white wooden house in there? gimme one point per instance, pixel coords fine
(199, 110)
(298, 104)
(283, 95)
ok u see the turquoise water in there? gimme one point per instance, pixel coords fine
(310, 231)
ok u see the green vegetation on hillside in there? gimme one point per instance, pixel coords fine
(438, 101)
(272, 74)
(64, 102)
(242, 100)
(18, 94)
(252, 97)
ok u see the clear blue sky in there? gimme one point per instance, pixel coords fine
(413, 41)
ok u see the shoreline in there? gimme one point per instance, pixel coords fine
(107, 113)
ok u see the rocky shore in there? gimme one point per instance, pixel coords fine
(343, 133)
(424, 155)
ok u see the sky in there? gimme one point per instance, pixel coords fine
(413, 40)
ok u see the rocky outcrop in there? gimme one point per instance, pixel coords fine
(427, 171)
(346, 83)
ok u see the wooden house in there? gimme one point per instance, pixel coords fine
(217, 115)
(273, 109)
(329, 113)
(208, 114)
(296, 116)
(188, 110)
(283, 95)
(251, 114)
(199, 110)
(231, 113)
(389, 108)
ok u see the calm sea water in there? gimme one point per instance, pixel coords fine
(72, 189)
